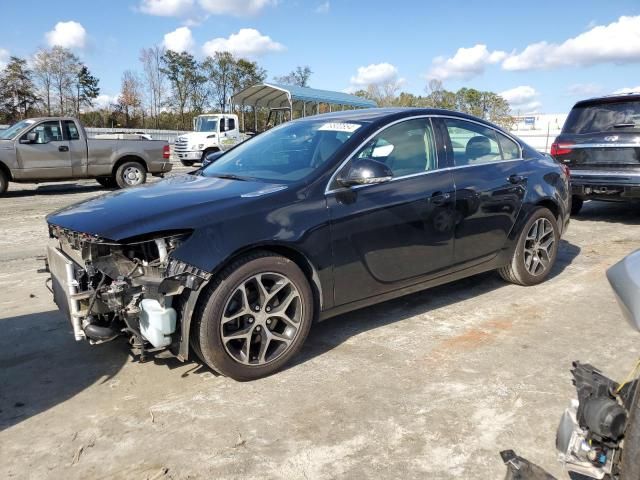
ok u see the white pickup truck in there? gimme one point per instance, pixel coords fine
(212, 133)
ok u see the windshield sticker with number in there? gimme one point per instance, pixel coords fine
(340, 127)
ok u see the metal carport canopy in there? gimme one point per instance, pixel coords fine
(275, 95)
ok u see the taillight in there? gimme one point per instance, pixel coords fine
(166, 152)
(560, 148)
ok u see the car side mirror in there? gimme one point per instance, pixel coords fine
(31, 137)
(366, 171)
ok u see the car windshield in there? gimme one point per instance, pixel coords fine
(207, 125)
(284, 154)
(604, 117)
(14, 129)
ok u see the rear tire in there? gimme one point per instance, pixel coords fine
(131, 174)
(576, 205)
(187, 163)
(107, 182)
(536, 251)
(254, 318)
(4, 182)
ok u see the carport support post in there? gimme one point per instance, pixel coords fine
(255, 119)
(244, 129)
(304, 109)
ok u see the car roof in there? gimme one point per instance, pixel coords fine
(392, 113)
(614, 98)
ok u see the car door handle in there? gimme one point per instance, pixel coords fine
(517, 179)
(440, 198)
(63, 148)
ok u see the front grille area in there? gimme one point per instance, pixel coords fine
(181, 145)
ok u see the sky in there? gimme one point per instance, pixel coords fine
(542, 56)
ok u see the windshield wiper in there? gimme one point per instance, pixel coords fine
(624, 125)
(231, 176)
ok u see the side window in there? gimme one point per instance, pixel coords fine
(47, 132)
(231, 124)
(472, 143)
(510, 149)
(70, 130)
(407, 148)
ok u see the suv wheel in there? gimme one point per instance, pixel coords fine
(576, 205)
(254, 318)
(536, 250)
(131, 174)
(4, 182)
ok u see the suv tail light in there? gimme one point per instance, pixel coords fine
(561, 148)
(166, 152)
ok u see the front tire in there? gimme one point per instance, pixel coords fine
(255, 318)
(536, 250)
(4, 182)
(131, 174)
(187, 163)
(576, 205)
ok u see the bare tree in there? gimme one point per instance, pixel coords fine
(300, 76)
(130, 95)
(43, 72)
(156, 82)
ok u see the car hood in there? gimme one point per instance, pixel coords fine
(6, 144)
(181, 202)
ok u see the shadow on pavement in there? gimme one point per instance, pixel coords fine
(625, 213)
(329, 334)
(55, 189)
(41, 365)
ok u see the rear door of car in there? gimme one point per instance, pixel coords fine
(490, 179)
(601, 138)
(48, 156)
(390, 235)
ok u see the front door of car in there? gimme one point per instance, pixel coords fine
(389, 235)
(490, 180)
(45, 153)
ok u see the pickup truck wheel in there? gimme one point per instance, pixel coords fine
(254, 318)
(107, 182)
(576, 205)
(187, 163)
(4, 182)
(536, 250)
(131, 174)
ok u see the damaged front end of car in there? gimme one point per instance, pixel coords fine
(133, 288)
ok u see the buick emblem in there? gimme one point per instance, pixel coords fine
(611, 138)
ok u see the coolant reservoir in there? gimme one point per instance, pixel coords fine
(157, 323)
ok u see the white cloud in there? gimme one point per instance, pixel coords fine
(180, 40)
(584, 89)
(324, 7)
(375, 74)
(618, 42)
(238, 8)
(4, 57)
(166, 8)
(466, 63)
(104, 100)
(522, 98)
(248, 42)
(68, 35)
(627, 90)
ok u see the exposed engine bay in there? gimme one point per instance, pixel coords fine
(132, 288)
(591, 433)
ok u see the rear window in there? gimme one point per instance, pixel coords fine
(604, 117)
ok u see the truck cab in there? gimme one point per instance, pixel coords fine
(211, 133)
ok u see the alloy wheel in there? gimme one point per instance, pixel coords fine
(261, 319)
(538, 247)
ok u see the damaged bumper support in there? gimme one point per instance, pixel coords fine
(134, 288)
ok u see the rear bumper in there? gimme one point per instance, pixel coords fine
(606, 185)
